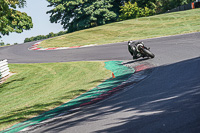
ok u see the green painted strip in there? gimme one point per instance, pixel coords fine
(122, 73)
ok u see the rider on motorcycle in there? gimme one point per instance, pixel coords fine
(132, 48)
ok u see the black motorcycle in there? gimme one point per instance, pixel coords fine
(137, 50)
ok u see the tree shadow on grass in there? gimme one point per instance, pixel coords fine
(77, 102)
(96, 92)
(4, 85)
(97, 81)
(25, 113)
(74, 93)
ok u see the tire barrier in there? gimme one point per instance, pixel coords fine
(4, 69)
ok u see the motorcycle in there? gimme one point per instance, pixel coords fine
(137, 50)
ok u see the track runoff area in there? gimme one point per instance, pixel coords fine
(166, 99)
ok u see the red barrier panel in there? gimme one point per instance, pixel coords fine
(193, 5)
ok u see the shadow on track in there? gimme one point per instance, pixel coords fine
(168, 101)
(138, 60)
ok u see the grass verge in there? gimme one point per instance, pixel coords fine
(36, 88)
(134, 29)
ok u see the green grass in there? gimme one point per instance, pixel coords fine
(36, 88)
(134, 29)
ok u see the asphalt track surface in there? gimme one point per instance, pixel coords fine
(167, 101)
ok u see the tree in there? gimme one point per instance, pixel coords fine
(2, 43)
(144, 3)
(130, 11)
(40, 37)
(78, 14)
(26, 40)
(12, 20)
(60, 33)
(161, 6)
(51, 34)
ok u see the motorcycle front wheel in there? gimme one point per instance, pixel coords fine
(148, 53)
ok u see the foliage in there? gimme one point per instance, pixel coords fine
(144, 3)
(40, 37)
(2, 43)
(12, 20)
(161, 5)
(7, 44)
(174, 3)
(130, 11)
(133, 29)
(79, 14)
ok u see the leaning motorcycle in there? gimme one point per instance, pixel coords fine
(139, 50)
